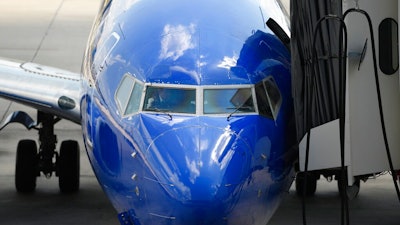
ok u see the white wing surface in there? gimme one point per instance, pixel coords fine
(45, 88)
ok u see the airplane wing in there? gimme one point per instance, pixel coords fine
(45, 88)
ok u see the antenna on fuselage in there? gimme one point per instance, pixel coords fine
(279, 32)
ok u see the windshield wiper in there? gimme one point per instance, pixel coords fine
(242, 108)
(162, 111)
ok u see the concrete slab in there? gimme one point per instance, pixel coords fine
(63, 25)
(377, 203)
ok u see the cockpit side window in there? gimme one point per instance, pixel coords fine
(274, 95)
(134, 100)
(262, 101)
(169, 99)
(269, 98)
(128, 95)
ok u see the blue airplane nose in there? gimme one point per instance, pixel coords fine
(199, 170)
(199, 164)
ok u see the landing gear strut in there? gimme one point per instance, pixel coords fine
(31, 161)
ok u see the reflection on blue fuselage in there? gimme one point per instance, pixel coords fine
(190, 169)
(181, 169)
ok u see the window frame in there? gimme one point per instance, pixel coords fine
(199, 97)
(122, 109)
(166, 86)
(273, 106)
(228, 87)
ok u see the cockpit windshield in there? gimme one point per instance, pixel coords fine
(133, 96)
(220, 101)
(174, 100)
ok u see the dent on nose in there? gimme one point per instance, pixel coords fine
(199, 164)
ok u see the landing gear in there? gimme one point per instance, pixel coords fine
(31, 161)
(68, 167)
(26, 166)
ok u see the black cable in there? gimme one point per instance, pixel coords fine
(342, 109)
(345, 215)
(378, 90)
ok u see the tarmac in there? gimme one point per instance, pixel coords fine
(54, 33)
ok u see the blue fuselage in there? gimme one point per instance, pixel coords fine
(223, 166)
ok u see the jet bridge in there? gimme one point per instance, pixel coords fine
(336, 95)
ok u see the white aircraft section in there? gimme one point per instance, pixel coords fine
(49, 89)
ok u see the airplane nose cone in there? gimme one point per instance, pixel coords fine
(199, 164)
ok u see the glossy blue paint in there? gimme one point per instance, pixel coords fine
(181, 168)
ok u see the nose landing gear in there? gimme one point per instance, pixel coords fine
(32, 161)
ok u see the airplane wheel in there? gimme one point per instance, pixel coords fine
(311, 184)
(68, 167)
(26, 166)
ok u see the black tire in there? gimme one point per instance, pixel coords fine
(26, 166)
(68, 167)
(311, 186)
